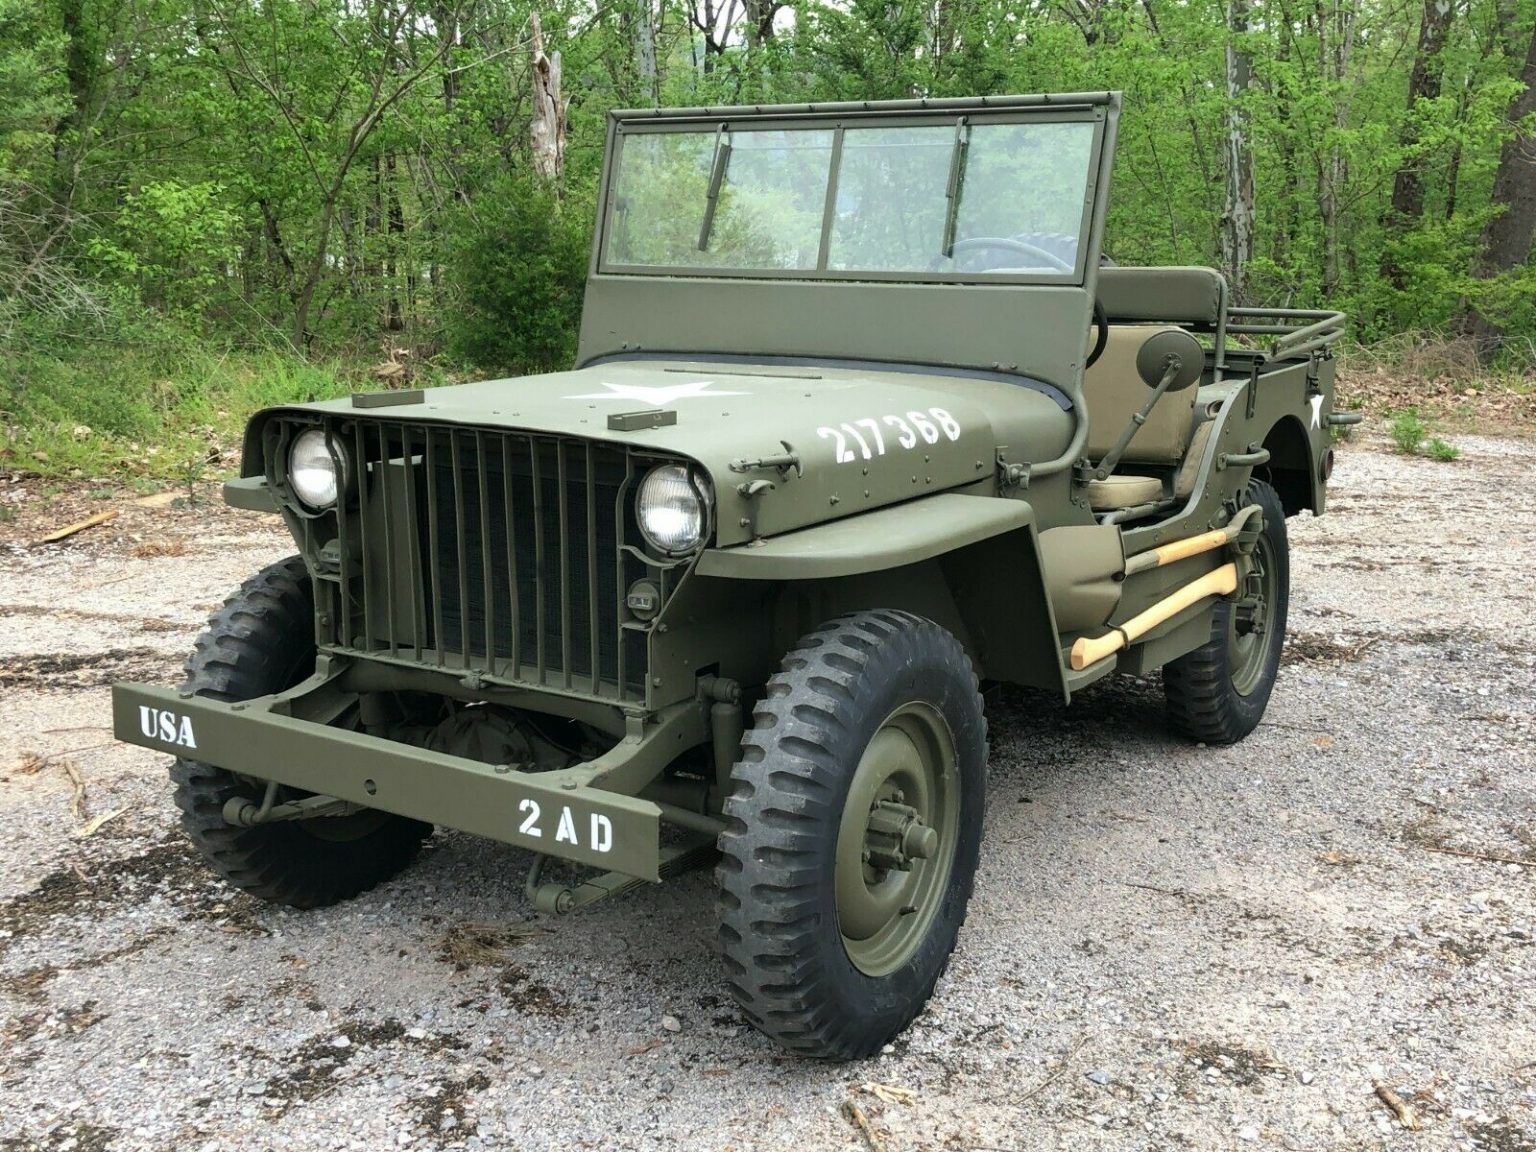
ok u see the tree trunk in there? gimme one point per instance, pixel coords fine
(548, 128)
(645, 50)
(1335, 42)
(1237, 218)
(1423, 86)
(759, 21)
(1506, 242)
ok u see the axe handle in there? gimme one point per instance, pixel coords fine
(1220, 582)
(1190, 545)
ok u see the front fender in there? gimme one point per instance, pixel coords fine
(875, 541)
(971, 563)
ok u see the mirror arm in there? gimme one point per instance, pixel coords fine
(1173, 364)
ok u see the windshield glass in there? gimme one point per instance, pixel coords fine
(935, 200)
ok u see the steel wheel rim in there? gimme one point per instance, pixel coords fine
(1248, 643)
(884, 914)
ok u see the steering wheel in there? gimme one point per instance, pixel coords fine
(1101, 326)
(1008, 244)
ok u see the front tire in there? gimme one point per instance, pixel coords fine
(1217, 694)
(260, 642)
(854, 828)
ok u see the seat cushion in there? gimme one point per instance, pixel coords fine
(1115, 392)
(1123, 492)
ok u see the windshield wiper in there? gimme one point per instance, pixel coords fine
(716, 179)
(952, 188)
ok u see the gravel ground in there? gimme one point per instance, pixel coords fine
(1169, 947)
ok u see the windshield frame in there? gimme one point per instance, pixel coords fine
(1093, 109)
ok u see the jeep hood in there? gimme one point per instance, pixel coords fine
(859, 433)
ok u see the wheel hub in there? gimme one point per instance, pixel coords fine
(896, 840)
(896, 836)
(1248, 640)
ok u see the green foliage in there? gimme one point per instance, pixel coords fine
(142, 400)
(1410, 435)
(517, 263)
(174, 242)
(33, 97)
(1408, 431)
(1438, 449)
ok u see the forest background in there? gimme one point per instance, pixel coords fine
(206, 205)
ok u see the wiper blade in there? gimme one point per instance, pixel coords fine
(716, 179)
(952, 188)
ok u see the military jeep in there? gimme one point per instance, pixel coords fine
(861, 421)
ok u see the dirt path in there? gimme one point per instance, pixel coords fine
(1170, 947)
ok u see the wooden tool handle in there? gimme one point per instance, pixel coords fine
(1220, 582)
(1190, 546)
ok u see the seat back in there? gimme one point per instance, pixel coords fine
(1115, 392)
(1196, 296)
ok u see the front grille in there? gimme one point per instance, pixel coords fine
(492, 552)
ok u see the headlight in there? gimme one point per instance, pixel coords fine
(671, 509)
(313, 471)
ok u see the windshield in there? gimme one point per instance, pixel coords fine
(945, 199)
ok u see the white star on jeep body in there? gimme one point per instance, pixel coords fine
(665, 394)
(1317, 411)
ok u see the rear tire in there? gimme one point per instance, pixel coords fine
(260, 642)
(1217, 694)
(854, 827)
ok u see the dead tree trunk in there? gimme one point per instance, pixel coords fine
(549, 108)
(1506, 242)
(1237, 216)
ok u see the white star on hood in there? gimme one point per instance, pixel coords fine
(665, 394)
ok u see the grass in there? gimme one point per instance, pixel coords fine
(1438, 449)
(165, 411)
(1411, 436)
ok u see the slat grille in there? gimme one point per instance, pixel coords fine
(493, 552)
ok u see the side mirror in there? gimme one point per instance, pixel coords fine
(1152, 361)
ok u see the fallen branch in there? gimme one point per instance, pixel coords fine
(861, 1121)
(77, 802)
(1400, 1108)
(890, 1093)
(95, 825)
(1487, 857)
(79, 526)
(1066, 1062)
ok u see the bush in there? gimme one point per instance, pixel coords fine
(517, 266)
(1438, 449)
(1408, 431)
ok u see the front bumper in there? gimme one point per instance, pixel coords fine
(554, 813)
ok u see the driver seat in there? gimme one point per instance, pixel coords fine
(1115, 392)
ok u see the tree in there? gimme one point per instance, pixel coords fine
(1237, 218)
(315, 113)
(1424, 81)
(1506, 241)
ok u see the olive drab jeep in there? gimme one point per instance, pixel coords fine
(860, 421)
